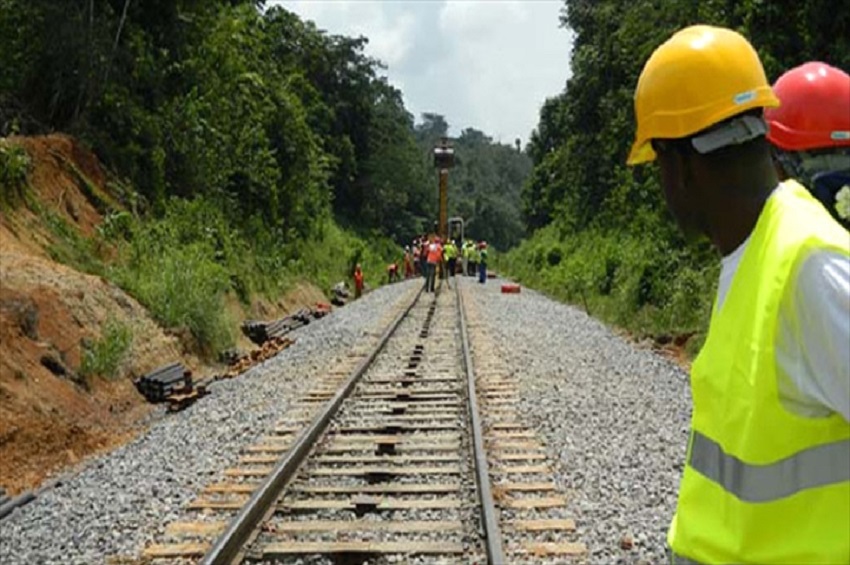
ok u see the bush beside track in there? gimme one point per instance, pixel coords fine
(640, 284)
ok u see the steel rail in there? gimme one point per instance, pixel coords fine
(490, 518)
(230, 543)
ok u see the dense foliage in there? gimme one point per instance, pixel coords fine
(236, 135)
(240, 138)
(609, 241)
(272, 119)
(14, 166)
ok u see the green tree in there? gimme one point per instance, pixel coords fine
(603, 224)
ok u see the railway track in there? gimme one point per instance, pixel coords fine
(411, 450)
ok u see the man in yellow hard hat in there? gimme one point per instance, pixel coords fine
(767, 475)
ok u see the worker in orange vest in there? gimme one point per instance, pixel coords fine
(358, 281)
(434, 256)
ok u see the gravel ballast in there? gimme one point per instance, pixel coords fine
(614, 416)
(119, 502)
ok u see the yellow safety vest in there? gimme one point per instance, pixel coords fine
(761, 484)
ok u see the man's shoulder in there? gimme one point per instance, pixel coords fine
(820, 267)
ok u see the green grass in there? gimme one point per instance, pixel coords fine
(331, 258)
(184, 265)
(14, 169)
(70, 247)
(103, 357)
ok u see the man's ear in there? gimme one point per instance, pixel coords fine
(672, 163)
(689, 163)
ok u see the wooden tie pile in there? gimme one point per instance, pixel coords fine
(268, 350)
(173, 383)
(157, 385)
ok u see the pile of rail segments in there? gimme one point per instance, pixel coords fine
(172, 384)
(261, 332)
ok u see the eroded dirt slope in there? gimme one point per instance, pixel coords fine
(50, 417)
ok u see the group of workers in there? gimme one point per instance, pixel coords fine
(427, 255)
(767, 470)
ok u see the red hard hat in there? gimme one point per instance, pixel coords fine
(814, 109)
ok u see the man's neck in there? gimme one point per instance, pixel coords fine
(735, 220)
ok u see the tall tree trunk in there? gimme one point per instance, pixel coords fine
(115, 43)
(87, 80)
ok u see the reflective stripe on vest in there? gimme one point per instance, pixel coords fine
(814, 467)
(680, 560)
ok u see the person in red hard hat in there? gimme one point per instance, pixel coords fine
(810, 133)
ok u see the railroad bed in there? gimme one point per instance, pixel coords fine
(609, 419)
(403, 468)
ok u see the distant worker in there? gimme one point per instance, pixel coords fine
(482, 262)
(474, 254)
(408, 263)
(450, 255)
(424, 242)
(810, 133)
(417, 257)
(464, 258)
(767, 475)
(358, 281)
(434, 256)
(392, 272)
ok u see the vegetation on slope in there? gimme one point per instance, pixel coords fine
(608, 241)
(240, 138)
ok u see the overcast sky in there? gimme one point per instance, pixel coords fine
(486, 64)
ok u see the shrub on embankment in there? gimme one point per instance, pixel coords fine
(183, 266)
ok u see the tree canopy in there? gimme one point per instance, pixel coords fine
(278, 121)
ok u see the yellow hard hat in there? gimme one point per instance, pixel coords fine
(702, 75)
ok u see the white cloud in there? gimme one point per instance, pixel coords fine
(487, 64)
(389, 38)
(481, 18)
